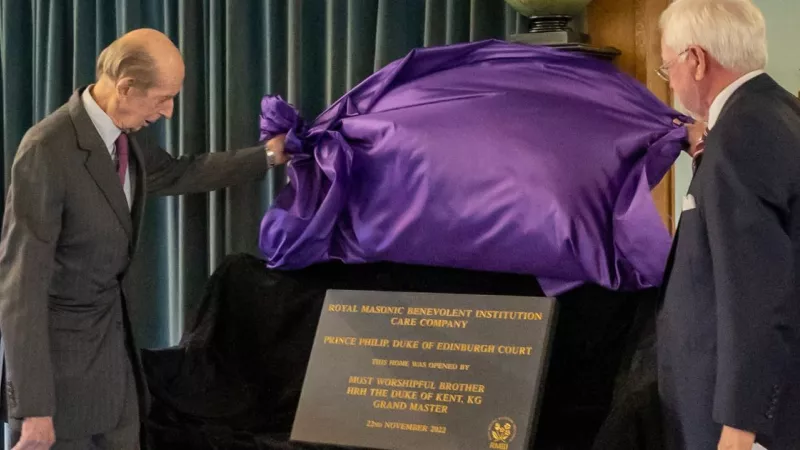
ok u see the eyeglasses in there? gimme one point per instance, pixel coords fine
(663, 71)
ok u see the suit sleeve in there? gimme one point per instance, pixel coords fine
(167, 175)
(745, 206)
(31, 226)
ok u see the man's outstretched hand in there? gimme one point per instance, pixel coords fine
(695, 130)
(276, 146)
(37, 434)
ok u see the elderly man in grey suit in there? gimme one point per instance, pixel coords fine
(74, 209)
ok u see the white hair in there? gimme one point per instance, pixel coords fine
(731, 31)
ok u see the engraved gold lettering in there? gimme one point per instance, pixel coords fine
(461, 387)
(405, 383)
(470, 348)
(405, 426)
(379, 392)
(383, 404)
(513, 350)
(339, 340)
(342, 308)
(474, 399)
(394, 310)
(351, 390)
(419, 394)
(508, 315)
(449, 398)
(372, 342)
(441, 312)
(442, 366)
(402, 343)
(360, 380)
(405, 395)
(442, 323)
(404, 321)
(428, 407)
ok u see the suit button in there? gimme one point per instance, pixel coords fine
(769, 415)
(119, 325)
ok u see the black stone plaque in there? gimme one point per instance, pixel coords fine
(401, 370)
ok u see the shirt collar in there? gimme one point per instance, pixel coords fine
(104, 125)
(723, 97)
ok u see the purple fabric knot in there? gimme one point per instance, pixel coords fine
(279, 117)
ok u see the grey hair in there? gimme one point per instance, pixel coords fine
(732, 31)
(124, 58)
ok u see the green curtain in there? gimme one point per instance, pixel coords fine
(236, 51)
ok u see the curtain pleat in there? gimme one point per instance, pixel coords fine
(400, 27)
(308, 51)
(17, 62)
(362, 18)
(335, 49)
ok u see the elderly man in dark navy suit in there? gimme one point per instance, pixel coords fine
(729, 324)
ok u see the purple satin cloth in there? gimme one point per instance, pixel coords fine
(490, 156)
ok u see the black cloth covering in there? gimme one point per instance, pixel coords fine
(234, 380)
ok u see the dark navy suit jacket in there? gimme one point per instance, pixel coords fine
(729, 322)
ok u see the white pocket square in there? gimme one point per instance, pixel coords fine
(688, 203)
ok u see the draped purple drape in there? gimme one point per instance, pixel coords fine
(489, 155)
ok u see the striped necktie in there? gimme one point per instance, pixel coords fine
(122, 157)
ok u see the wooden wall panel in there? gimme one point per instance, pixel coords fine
(632, 27)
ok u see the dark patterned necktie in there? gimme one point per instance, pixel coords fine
(698, 154)
(122, 157)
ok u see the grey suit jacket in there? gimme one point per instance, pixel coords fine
(67, 241)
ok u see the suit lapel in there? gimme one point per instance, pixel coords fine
(98, 162)
(140, 188)
(671, 258)
(668, 267)
(101, 168)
